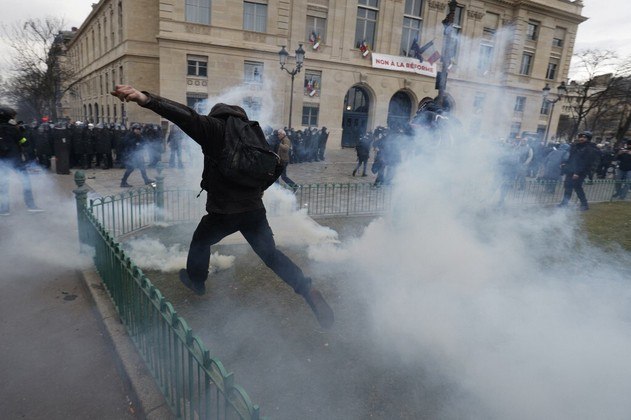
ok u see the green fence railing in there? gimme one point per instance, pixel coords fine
(195, 385)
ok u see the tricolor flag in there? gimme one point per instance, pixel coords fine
(430, 53)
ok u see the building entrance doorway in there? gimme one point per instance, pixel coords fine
(399, 110)
(355, 117)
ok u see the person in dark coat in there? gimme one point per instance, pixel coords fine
(323, 136)
(44, 145)
(623, 172)
(11, 143)
(363, 152)
(583, 153)
(174, 140)
(551, 165)
(134, 156)
(103, 146)
(231, 206)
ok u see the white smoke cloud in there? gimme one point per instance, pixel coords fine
(151, 254)
(514, 307)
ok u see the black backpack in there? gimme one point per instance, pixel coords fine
(246, 158)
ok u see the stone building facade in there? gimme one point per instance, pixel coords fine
(359, 71)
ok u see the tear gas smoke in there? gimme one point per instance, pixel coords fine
(515, 308)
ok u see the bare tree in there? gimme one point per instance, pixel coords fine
(37, 77)
(600, 94)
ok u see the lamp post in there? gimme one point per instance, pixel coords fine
(561, 92)
(445, 59)
(300, 58)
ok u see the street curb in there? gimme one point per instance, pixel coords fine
(146, 393)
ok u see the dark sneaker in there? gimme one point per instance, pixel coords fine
(5, 213)
(561, 205)
(149, 181)
(320, 308)
(196, 287)
(34, 210)
(125, 185)
(584, 207)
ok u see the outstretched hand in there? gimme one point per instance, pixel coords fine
(128, 93)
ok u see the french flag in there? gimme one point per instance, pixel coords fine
(430, 53)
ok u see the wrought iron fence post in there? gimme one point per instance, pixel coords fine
(159, 193)
(81, 198)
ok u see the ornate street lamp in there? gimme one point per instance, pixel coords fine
(300, 58)
(561, 93)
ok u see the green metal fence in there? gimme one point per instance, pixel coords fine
(195, 385)
(542, 192)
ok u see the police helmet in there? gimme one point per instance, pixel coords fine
(6, 113)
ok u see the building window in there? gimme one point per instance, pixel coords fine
(100, 39)
(120, 21)
(252, 106)
(198, 11)
(551, 72)
(196, 101)
(490, 24)
(545, 107)
(120, 74)
(485, 60)
(101, 83)
(197, 66)
(366, 24)
(532, 30)
(313, 80)
(310, 115)
(253, 72)
(520, 104)
(559, 37)
(112, 29)
(105, 41)
(526, 64)
(114, 79)
(316, 27)
(254, 16)
(456, 29)
(412, 25)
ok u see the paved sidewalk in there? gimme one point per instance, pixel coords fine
(56, 361)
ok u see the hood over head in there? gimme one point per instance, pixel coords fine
(224, 111)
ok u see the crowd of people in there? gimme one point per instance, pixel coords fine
(143, 145)
(307, 145)
(90, 145)
(582, 161)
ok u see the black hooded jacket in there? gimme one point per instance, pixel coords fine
(582, 158)
(224, 196)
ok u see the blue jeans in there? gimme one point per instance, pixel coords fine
(5, 199)
(623, 179)
(576, 185)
